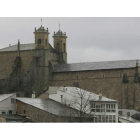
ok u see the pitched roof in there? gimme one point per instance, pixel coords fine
(48, 105)
(29, 46)
(5, 96)
(96, 65)
(73, 92)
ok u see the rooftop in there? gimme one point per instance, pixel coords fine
(95, 65)
(5, 96)
(23, 47)
(73, 92)
(48, 105)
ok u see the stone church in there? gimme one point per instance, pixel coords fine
(32, 68)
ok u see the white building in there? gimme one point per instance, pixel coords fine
(8, 103)
(104, 109)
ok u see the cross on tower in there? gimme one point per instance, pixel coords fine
(41, 21)
(59, 26)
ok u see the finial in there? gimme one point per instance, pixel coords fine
(59, 26)
(18, 41)
(41, 22)
(35, 29)
(47, 29)
(136, 63)
(18, 48)
(54, 33)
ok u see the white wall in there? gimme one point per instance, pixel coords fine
(6, 105)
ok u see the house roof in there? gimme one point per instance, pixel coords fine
(48, 105)
(5, 96)
(69, 93)
(131, 117)
(136, 116)
(95, 65)
(126, 111)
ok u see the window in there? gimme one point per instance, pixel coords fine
(10, 111)
(24, 111)
(3, 112)
(103, 75)
(13, 101)
(46, 42)
(39, 42)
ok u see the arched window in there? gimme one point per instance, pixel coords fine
(39, 42)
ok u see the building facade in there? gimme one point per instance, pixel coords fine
(33, 67)
(7, 104)
(98, 106)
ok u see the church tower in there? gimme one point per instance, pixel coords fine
(60, 45)
(41, 38)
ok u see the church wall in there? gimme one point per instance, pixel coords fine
(107, 82)
(7, 61)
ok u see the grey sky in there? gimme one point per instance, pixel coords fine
(89, 39)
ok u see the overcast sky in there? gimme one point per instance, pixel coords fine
(89, 39)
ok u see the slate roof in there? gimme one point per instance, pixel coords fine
(136, 116)
(29, 46)
(48, 105)
(125, 111)
(133, 115)
(96, 65)
(5, 96)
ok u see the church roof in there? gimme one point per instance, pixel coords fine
(29, 46)
(95, 65)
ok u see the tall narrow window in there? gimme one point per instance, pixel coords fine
(46, 41)
(39, 42)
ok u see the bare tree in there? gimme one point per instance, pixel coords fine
(81, 103)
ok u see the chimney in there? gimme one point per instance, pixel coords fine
(61, 99)
(9, 45)
(33, 94)
(100, 96)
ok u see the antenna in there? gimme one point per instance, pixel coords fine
(41, 21)
(59, 26)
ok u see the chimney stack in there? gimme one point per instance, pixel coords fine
(61, 99)
(100, 96)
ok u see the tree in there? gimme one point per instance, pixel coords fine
(80, 101)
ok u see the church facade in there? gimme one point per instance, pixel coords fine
(28, 68)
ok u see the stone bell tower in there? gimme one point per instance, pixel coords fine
(41, 38)
(60, 45)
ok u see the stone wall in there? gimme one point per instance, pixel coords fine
(108, 82)
(7, 61)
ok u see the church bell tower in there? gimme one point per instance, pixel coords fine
(41, 38)
(60, 45)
